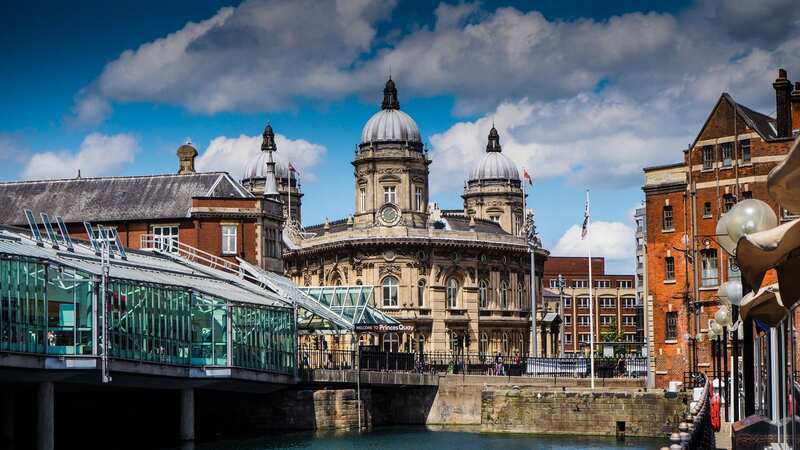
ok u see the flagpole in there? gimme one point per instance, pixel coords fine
(289, 192)
(591, 296)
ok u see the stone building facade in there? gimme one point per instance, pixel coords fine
(614, 303)
(728, 161)
(459, 278)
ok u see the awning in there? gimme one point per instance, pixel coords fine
(551, 318)
(777, 248)
(764, 305)
(354, 304)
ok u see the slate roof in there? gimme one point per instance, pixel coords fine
(762, 123)
(109, 199)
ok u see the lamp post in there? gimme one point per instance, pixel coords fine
(746, 217)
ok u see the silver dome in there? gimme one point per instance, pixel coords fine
(257, 168)
(495, 166)
(390, 125)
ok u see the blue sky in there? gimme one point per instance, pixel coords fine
(584, 93)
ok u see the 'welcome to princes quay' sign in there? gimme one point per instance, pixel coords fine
(383, 328)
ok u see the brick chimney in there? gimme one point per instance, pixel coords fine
(783, 104)
(795, 99)
(186, 154)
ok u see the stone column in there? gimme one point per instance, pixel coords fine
(45, 397)
(6, 416)
(187, 414)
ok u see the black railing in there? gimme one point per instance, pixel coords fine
(575, 366)
(696, 431)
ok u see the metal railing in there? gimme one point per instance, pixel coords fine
(168, 244)
(579, 366)
(695, 432)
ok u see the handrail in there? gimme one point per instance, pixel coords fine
(167, 244)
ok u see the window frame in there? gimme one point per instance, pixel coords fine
(483, 294)
(451, 291)
(708, 255)
(744, 146)
(418, 199)
(224, 241)
(671, 326)
(669, 268)
(390, 285)
(174, 244)
(708, 157)
(667, 220)
(726, 160)
(390, 194)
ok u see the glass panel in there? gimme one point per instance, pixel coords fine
(209, 331)
(69, 312)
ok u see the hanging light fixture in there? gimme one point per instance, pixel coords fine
(723, 316)
(730, 293)
(748, 217)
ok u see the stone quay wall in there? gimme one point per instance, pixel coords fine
(579, 412)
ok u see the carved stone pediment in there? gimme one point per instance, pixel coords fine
(389, 269)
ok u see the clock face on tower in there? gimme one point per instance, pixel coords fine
(389, 215)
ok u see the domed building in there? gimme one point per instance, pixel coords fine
(287, 186)
(459, 279)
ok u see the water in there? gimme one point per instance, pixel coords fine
(418, 438)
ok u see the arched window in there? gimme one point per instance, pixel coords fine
(455, 342)
(503, 295)
(390, 291)
(421, 292)
(483, 294)
(483, 345)
(520, 296)
(391, 342)
(452, 293)
(506, 344)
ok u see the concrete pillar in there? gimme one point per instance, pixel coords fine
(187, 414)
(6, 415)
(45, 416)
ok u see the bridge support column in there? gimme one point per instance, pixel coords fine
(187, 414)
(6, 416)
(45, 398)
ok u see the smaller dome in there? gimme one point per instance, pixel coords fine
(257, 167)
(494, 165)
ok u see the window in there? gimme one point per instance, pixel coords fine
(580, 284)
(418, 204)
(567, 320)
(608, 302)
(273, 244)
(707, 209)
(747, 195)
(567, 338)
(390, 291)
(710, 268)
(603, 283)
(229, 239)
(483, 294)
(708, 157)
(630, 337)
(583, 321)
(727, 154)
(666, 219)
(567, 302)
(745, 148)
(584, 337)
(389, 195)
(672, 326)
(553, 283)
(494, 218)
(625, 284)
(362, 199)
(503, 295)
(728, 200)
(391, 342)
(520, 296)
(629, 302)
(452, 293)
(583, 302)
(669, 268)
(166, 238)
(421, 293)
(629, 321)
(606, 320)
(483, 344)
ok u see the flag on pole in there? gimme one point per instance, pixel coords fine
(527, 176)
(585, 227)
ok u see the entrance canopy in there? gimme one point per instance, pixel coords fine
(325, 310)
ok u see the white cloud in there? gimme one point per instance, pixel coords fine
(595, 140)
(612, 240)
(233, 154)
(99, 154)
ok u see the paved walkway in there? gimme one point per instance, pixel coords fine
(723, 436)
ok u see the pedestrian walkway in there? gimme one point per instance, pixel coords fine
(723, 436)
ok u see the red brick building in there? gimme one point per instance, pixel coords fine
(728, 161)
(615, 305)
(209, 211)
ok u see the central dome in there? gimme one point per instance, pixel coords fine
(494, 165)
(390, 124)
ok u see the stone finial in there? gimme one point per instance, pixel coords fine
(186, 155)
(350, 221)
(327, 225)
